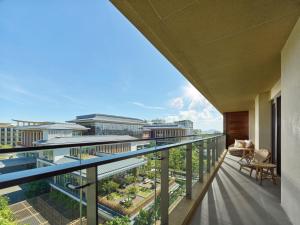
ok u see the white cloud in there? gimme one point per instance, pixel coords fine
(177, 103)
(142, 105)
(198, 109)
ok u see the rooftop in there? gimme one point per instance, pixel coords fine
(109, 169)
(107, 118)
(85, 139)
(54, 126)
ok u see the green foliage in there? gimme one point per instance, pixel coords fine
(6, 215)
(130, 179)
(36, 188)
(132, 190)
(144, 218)
(177, 159)
(68, 202)
(127, 203)
(108, 187)
(119, 221)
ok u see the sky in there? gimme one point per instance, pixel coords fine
(63, 58)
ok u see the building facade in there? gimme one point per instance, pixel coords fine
(8, 134)
(101, 124)
(29, 135)
(167, 130)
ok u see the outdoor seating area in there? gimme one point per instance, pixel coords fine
(241, 148)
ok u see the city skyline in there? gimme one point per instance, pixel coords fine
(80, 65)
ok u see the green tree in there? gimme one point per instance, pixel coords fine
(119, 221)
(144, 218)
(36, 188)
(6, 215)
(109, 187)
(132, 190)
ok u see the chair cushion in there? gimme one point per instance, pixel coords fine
(261, 155)
(239, 144)
(249, 144)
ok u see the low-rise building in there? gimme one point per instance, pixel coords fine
(8, 134)
(166, 130)
(102, 124)
(33, 133)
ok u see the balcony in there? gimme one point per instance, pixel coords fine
(243, 57)
(147, 184)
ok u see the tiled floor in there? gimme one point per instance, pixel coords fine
(237, 199)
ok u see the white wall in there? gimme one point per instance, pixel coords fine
(290, 145)
(263, 121)
(252, 124)
(276, 89)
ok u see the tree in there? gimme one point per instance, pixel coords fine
(36, 188)
(132, 190)
(6, 215)
(119, 221)
(144, 218)
(109, 187)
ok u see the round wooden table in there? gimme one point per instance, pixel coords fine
(269, 167)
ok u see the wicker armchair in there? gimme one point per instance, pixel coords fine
(258, 156)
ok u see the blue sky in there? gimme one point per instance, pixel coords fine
(62, 58)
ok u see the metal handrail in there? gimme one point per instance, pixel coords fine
(84, 144)
(17, 178)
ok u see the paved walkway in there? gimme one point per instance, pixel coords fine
(237, 199)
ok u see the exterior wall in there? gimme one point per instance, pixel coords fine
(8, 136)
(252, 124)
(263, 121)
(29, 136)
(290, 120)
(276, 89)
(102, 128)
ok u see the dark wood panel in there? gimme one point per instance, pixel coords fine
(236, 126)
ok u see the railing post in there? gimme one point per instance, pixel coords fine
(213, 151)
(208, 155)
(217, 148)
(91, 196)
(189, 171)
(201, 160)
(164, 193)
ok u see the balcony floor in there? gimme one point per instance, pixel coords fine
(235, 198)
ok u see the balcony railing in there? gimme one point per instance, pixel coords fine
(142, 185)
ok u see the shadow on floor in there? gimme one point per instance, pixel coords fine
(235, 198)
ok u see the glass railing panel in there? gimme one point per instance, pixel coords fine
(128, 191)
(41, 202)
(195, 161)
(177, 175)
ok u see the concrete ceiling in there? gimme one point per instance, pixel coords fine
(228, 49)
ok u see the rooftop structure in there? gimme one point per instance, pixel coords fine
(101, 124)
(54, 126)
(107, 118)
(84, 139)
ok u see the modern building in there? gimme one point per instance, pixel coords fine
(188, 124)
(32, 133)
(161, 129)
(8, 134)
(101, 124)
(84, 152)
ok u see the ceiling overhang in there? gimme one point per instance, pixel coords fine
(229, 50)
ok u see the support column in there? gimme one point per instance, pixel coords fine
(91, 196)
(208, 148)
(201, 162)
(189, 171)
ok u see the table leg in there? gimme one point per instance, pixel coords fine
(257, 172)
(273, 176)
(261, 175)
